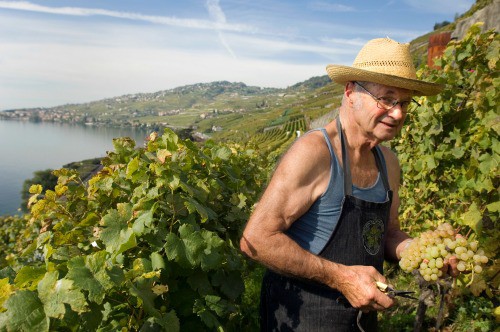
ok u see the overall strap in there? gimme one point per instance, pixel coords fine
(345, 161)
(383, 171)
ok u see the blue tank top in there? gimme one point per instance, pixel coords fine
(314, 228)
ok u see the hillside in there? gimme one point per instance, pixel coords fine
(208, 109)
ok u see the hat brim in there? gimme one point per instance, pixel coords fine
(343, 74)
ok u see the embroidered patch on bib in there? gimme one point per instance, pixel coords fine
(373, 233)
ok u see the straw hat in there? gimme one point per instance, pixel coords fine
(386, 62)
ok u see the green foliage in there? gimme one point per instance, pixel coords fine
(473, 314)
(44, 178)
(440, 25)
(449, 151)
(149, 244)
(48, 180)
(15, 233)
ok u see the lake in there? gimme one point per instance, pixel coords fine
(27, 147)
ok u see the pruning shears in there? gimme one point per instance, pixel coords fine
(391, 292)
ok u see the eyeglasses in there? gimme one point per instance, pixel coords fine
(387, 103)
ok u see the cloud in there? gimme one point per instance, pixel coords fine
(330, 7)
(163, 20)
(216, 13)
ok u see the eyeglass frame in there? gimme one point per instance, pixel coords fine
(384, 107)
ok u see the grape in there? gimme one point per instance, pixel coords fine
(452, 244)
(430, 252)
(461, 241)
(461, 266)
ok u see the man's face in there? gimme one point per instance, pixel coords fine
(375, 111)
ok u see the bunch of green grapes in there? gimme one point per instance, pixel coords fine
(432, 250)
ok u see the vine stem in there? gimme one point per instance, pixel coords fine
(443, 290)
(426, 294)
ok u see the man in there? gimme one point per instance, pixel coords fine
(329, 216)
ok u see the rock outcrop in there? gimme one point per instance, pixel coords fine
(489, 15)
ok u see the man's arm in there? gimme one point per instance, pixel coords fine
(396, 239)
(300, 178)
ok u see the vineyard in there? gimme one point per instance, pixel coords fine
(150, 242)
(277, 138)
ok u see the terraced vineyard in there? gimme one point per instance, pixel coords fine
(276, 139)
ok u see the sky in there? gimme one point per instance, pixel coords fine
(57, 52)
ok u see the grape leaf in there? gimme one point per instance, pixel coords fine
(478, 286)
(493, 207)
(142, 289)
(144, 220)
(205, 315)
(231, 284)
(24, 313)
(29, 276)
(193, 242)
(472, 217)
(116, 235)
(157, 261)
(163, 154)
(175, 249)
(132, 166)
(55, 293)
(222, 153)
(205, 212)
(89, 273)
(167, 322)
(6, 289)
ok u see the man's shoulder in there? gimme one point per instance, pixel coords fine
(310, 150)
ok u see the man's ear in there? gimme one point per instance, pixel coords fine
(348, 90)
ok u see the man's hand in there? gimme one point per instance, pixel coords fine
(358, 285)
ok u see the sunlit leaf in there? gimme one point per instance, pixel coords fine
(29, 276)
(55, 293)
(6, 289)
